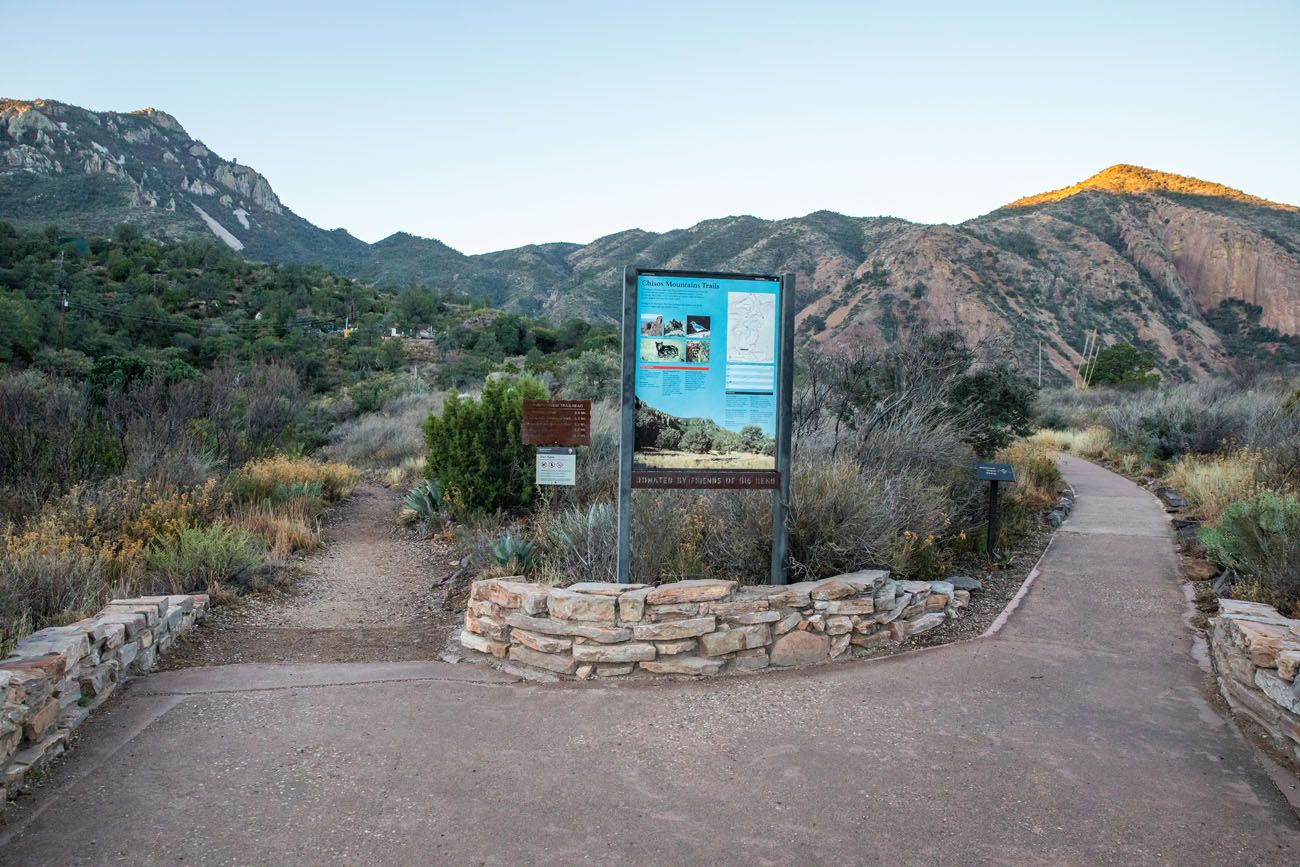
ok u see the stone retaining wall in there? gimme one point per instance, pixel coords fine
(56, 677)
(702, 627)
(1257, 656)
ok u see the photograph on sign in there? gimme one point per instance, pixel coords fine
(706, 380)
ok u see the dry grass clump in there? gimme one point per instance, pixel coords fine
(406, 474)
(47, 576)
(1091, 442)
(282, 500)
(287, 528)
(1038, 479)
(385, 439)
(279, 477)
(578, 544)
(1212, 482)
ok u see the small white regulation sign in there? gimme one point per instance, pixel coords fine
(557, 465)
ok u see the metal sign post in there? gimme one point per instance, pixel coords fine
(993, 473)
(627, 429)
(785, 400)
(707, 385)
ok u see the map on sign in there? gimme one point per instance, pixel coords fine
(751, 327)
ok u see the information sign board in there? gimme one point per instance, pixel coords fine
(557, 423)
(707, 369)
(708, 379)
(557, 465)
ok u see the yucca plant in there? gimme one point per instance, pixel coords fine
(425, 500)
(513, 551)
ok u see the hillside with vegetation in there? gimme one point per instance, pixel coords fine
(164, 405)
(1202, 275)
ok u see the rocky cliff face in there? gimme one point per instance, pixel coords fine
(148, 150)
(90, 171)
(1138, 255)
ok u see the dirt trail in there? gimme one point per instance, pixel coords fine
(371, 594)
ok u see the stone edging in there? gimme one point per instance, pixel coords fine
(1256, 655)
(701, 627)
(55, 677)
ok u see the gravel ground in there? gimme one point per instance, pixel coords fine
(371, 594)
(1000, 585)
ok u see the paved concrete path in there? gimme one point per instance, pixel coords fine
(1079, 734)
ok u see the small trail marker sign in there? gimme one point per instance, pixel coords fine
(557, 465)
(995, 472)
(557, 423)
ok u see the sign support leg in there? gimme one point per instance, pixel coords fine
(993, 519)
(627, 437)
(784, 401)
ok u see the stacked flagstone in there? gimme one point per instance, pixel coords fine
(698, 627)
(1257, 655)
(55, 677)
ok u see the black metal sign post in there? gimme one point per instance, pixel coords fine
(994, 473)
(991, 542)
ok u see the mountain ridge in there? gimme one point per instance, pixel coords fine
(1200, 273)
(1128, 179)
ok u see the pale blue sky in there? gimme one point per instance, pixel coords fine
(491, 125)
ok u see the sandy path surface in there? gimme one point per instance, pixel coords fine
(371, 594)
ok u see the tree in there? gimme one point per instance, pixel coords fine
(996, 405)
(1122, 364)
(476, 449)
(669, 439)
(752, 439)
(19, 333)
(592, 375)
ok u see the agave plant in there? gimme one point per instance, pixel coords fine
(513, 551)
(425, 500)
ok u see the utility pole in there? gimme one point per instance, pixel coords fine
(1040, 362)
(1087, 343)
(63, 305)
(1096, 350)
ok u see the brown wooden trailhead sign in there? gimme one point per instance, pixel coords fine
(557, 423)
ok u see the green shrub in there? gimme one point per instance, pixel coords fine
(1122, 364)
(198, 557)
(998, 405)
(1163, 437)
(476, 451)
(593, 375)
(1259, 539)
